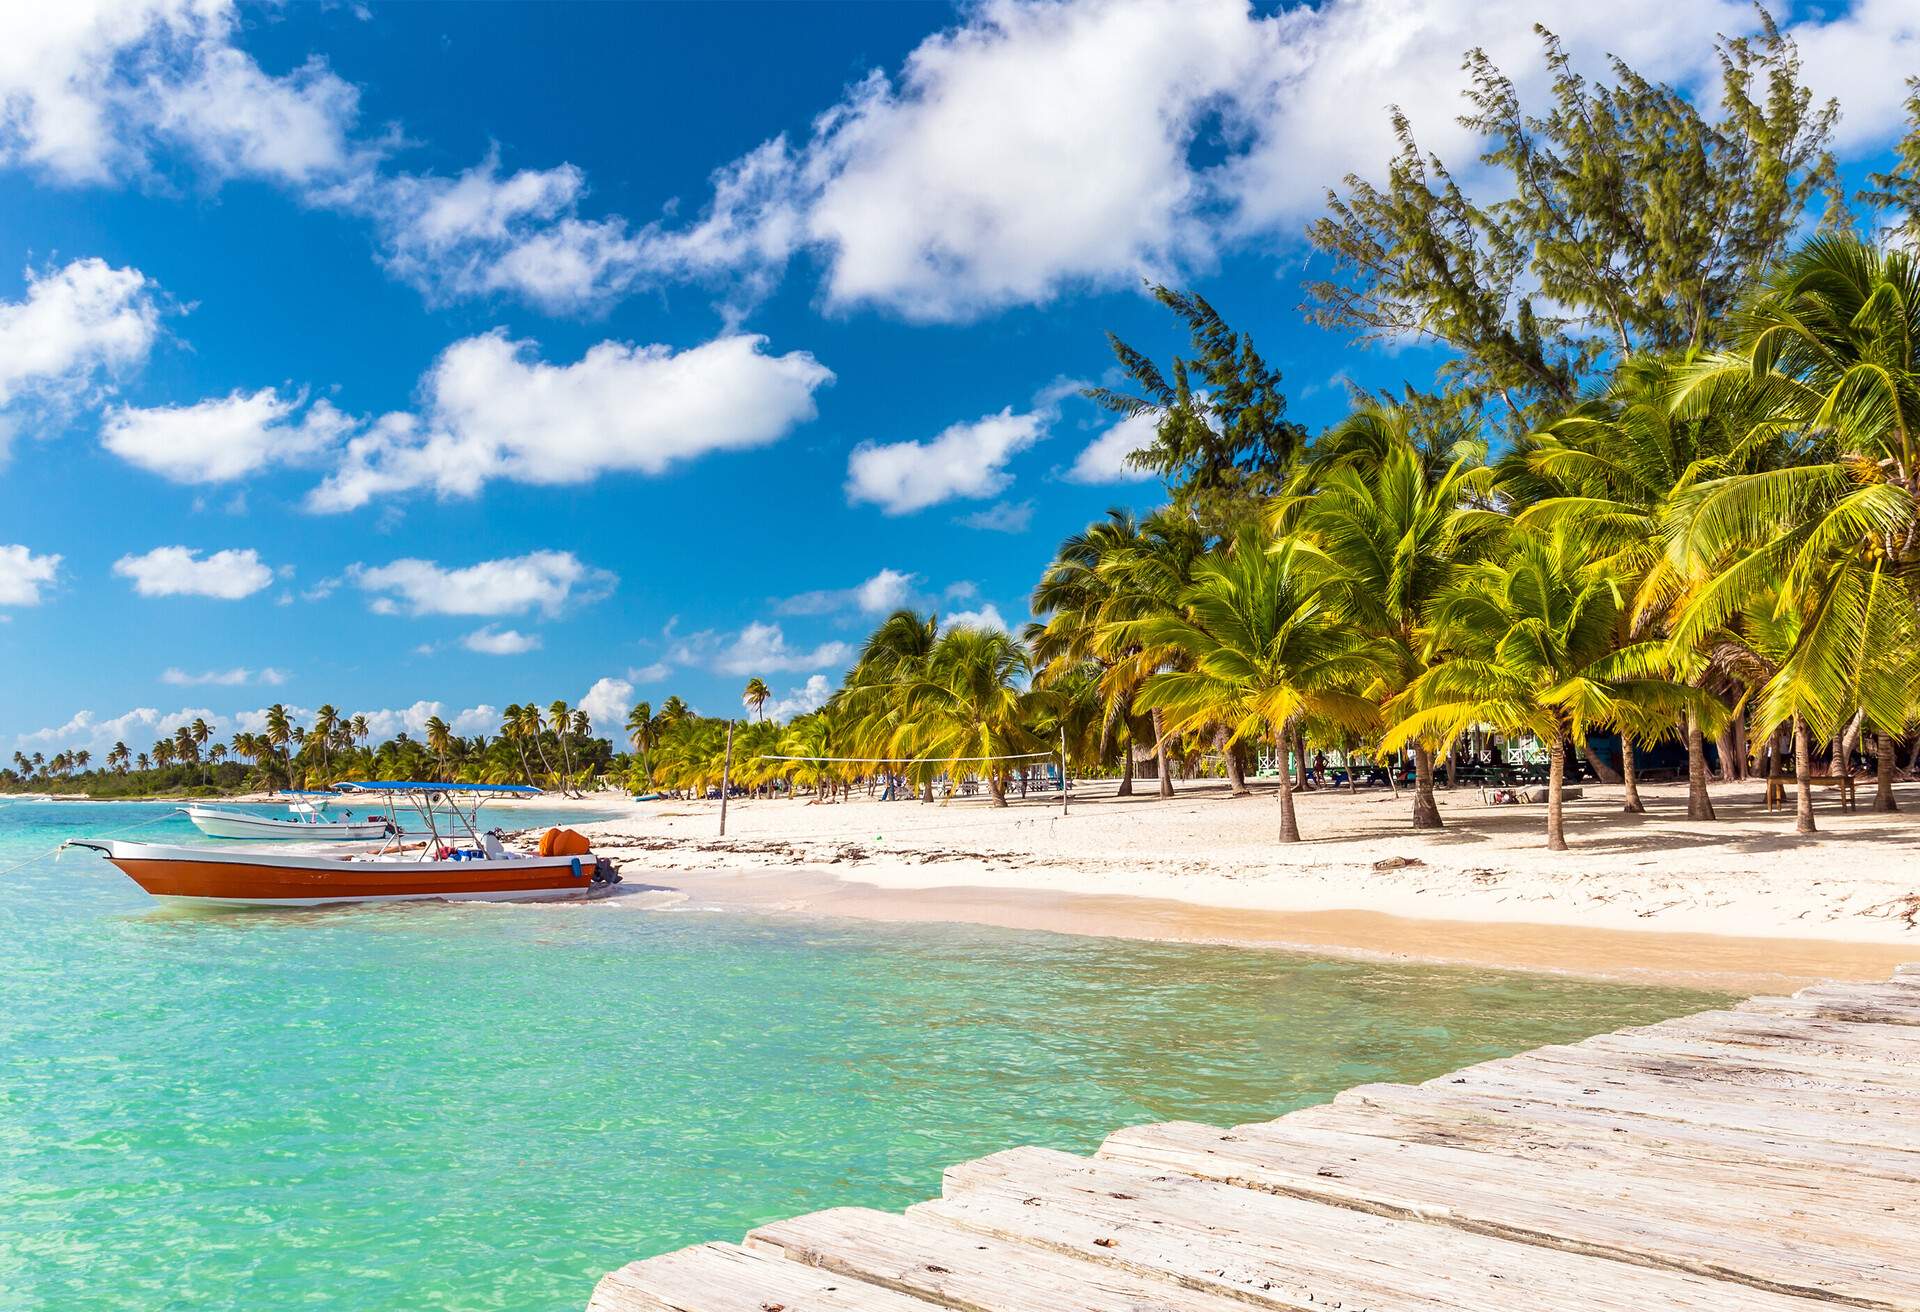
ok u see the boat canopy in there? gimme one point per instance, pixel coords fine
(417, 786)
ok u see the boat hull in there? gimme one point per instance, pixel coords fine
(237, 824)
(193, 875)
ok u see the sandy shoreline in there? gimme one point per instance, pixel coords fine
(1740, 903)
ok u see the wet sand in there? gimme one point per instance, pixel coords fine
(1705, 961)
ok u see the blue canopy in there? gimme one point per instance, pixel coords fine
(417, 786)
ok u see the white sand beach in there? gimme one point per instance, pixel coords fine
(1741, 899)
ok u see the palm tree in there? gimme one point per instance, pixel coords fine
(1828, 349)
(279, 733)
(1263, 648)
(640, 732)
(439, 741)
(756, 697)
(143, 764)
(1531, 637)
(1395, 528)
(969, 705)
(326, 729)
(513, 730)
(562, 721)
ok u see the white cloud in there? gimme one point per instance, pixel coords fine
(651, 673)
(1185, 127)
(985, 617)
(236, 677)
(181, 572)
(758, 649)
(23, 574)
(137, 728)
(606, 704)
(219, 440)
(389, 722)
(542, 580)
(490, 641)
(1001, 517)
(1104, 460)
(799, 701)
(493, 410)
(74, 324)
(887, 590)
(481, 719)
(966, 460)
(90, 89)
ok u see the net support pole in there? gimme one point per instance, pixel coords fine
(726, 779)
(1063, 769)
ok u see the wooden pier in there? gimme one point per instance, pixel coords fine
(1764, 1159)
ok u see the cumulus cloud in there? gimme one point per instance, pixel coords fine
(91, 91)
(238, 676)
(183, 572)
(137, 728)
(985, 617)
(481, 719)
(758, 649)
(546, 581)
(886, 591)
(606, 704)
(1187, 126)
(217, 441)
(489, 641)
(74, 325)
(967, 460)
(23, 575)
(1104, 460)
(810, 696)
(494, 410)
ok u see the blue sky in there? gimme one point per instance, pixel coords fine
(424, 358)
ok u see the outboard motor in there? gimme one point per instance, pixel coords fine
(604, 874)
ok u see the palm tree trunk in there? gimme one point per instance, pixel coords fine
(1453, 765)
(1236, 771)
(1289, 822)
(1426, 811)
(1725, 744)
(1630, 776)
(1883, 774)
(1126, 769)
(996, 784)
(1699, 800)
(1802, 777)
(1556, 788)
(1160, 755)
(1605, 773)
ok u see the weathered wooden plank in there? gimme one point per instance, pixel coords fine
(1777, 1237)
(1290, 1253)
(975, 1273)
(1696, 1101)
(1728, 1075)
(1734, 1050)
(1525, 1126)
(728, 1278)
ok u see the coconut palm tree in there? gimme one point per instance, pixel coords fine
(756, 697)
(1828, 349)
(1263, 648)
(640, 732)
(279, 733)
(326, 729)
(1394, 528)
(969, 705)
(439, 742)
(1532, 642)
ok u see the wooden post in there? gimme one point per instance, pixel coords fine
(726, 778)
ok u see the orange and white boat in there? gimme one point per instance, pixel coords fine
(450, 866)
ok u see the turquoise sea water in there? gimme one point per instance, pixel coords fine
(485, 1106)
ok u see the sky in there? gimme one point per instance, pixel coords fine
(419, 359)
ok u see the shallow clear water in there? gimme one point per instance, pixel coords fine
(484, 1106)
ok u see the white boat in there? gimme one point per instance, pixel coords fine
(461, 864)
(307, 820)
